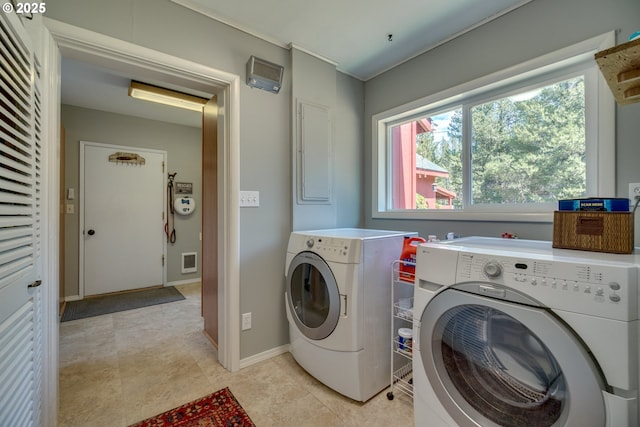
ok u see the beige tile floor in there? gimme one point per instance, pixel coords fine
(120, 368)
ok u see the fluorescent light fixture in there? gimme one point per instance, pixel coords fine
(166, 96)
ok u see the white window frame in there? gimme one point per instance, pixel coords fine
(599, 132)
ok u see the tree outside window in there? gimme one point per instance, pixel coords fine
(524, 148)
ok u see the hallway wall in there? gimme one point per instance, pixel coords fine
(183, 146)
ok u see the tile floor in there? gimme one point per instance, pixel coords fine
(120, 368)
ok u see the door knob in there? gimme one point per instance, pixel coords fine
(91, 232)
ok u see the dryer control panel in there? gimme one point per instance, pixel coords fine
(334, 249)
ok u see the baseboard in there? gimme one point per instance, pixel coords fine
(265, 355)
(184, 282)
(72, 298)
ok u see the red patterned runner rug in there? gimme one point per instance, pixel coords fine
(219, 409)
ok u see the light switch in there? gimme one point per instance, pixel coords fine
(249, 199)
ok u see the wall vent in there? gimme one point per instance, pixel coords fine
(189, 262)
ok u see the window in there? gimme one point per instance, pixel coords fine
(504, 147)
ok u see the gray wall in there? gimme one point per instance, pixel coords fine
(183, 145)
(537, 28)
(265, 140)
(313, 81)
(348, 164)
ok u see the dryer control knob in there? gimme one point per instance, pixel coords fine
(492, 269)
(310, 243)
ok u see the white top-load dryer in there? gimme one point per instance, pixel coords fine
(338, 303)
(514, 332)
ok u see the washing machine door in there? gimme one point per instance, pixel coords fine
(497, 363)
(312, 295)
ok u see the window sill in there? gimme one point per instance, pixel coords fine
(450, 215)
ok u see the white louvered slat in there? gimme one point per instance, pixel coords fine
(16, 258)
(7, 234)
(10, 76)
(16, 221)
(16, 188)
(20, 221)
(11, 155)
(19, 241)
(14, 199)
(16, 210)
(15, 111)
(9, 175)
(15, 373)
(18, 275)
(20, 120)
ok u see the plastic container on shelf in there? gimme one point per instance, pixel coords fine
(407, 268)
(405, 339)
(401, 333)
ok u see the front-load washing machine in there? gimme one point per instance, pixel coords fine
(516, 333)
(338, 304)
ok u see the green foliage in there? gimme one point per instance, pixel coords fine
(421, 202)
(527, 151)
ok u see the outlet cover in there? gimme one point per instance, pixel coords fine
(634, 190)
(246, 321)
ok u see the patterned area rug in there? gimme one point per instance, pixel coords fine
(220, 409)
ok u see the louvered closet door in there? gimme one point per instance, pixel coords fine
(20, 296)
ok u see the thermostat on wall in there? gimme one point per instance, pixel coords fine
(184, 205)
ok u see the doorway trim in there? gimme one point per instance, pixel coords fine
(88, 46)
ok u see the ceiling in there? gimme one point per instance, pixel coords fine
(354, 34)
(363, 38)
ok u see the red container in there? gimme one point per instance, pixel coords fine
(407, 272)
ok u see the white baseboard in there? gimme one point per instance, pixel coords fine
(184, 282)
(265, 355)
(72, 298)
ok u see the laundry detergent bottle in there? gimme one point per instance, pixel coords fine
(407, 268)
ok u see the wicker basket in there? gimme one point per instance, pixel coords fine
(594, 231)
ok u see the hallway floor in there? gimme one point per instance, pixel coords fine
(120, 368)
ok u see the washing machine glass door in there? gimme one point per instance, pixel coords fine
(505, 364)
(313, 296)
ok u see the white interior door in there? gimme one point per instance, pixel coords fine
(21, 171)
(122, 233)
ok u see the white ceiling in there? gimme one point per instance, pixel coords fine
(353, 34)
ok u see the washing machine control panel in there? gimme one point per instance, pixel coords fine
(593, 284)
(603, 289)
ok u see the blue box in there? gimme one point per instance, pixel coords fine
(594, 204)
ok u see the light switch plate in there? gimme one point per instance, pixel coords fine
(246, 321)
(249, 199)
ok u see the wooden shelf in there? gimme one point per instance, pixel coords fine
(620, 66)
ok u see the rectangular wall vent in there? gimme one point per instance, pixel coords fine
(189, 262)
